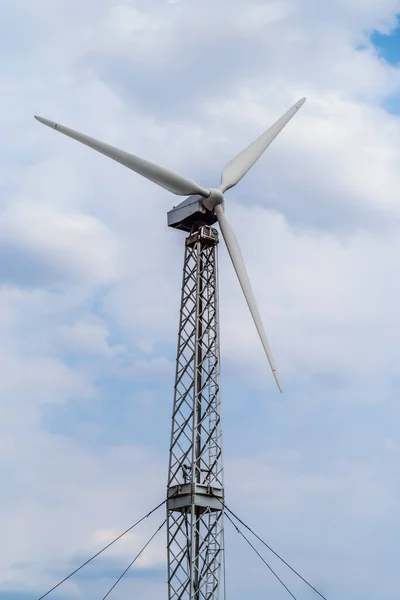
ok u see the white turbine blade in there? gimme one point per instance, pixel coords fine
(241, 272)
(163, 177)
(238, 166)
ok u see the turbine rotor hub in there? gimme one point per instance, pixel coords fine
(216, 197)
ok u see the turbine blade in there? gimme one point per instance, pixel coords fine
(163, 177)
(238, 166)
(241, 272)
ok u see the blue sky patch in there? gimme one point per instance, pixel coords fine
(388, 46)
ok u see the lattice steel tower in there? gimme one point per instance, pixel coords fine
(195, 478)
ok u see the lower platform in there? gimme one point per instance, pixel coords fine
(180, 497)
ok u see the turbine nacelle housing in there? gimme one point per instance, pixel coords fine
(191, 211)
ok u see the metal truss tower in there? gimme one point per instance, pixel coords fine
(195, 480)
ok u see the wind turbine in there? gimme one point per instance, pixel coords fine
(195, 488)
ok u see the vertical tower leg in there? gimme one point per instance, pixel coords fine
(195, 480)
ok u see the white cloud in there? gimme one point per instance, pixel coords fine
(328, 302)
(65, 494)
(90, 338)
(44, 246)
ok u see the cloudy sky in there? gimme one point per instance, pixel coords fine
(90, 282)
